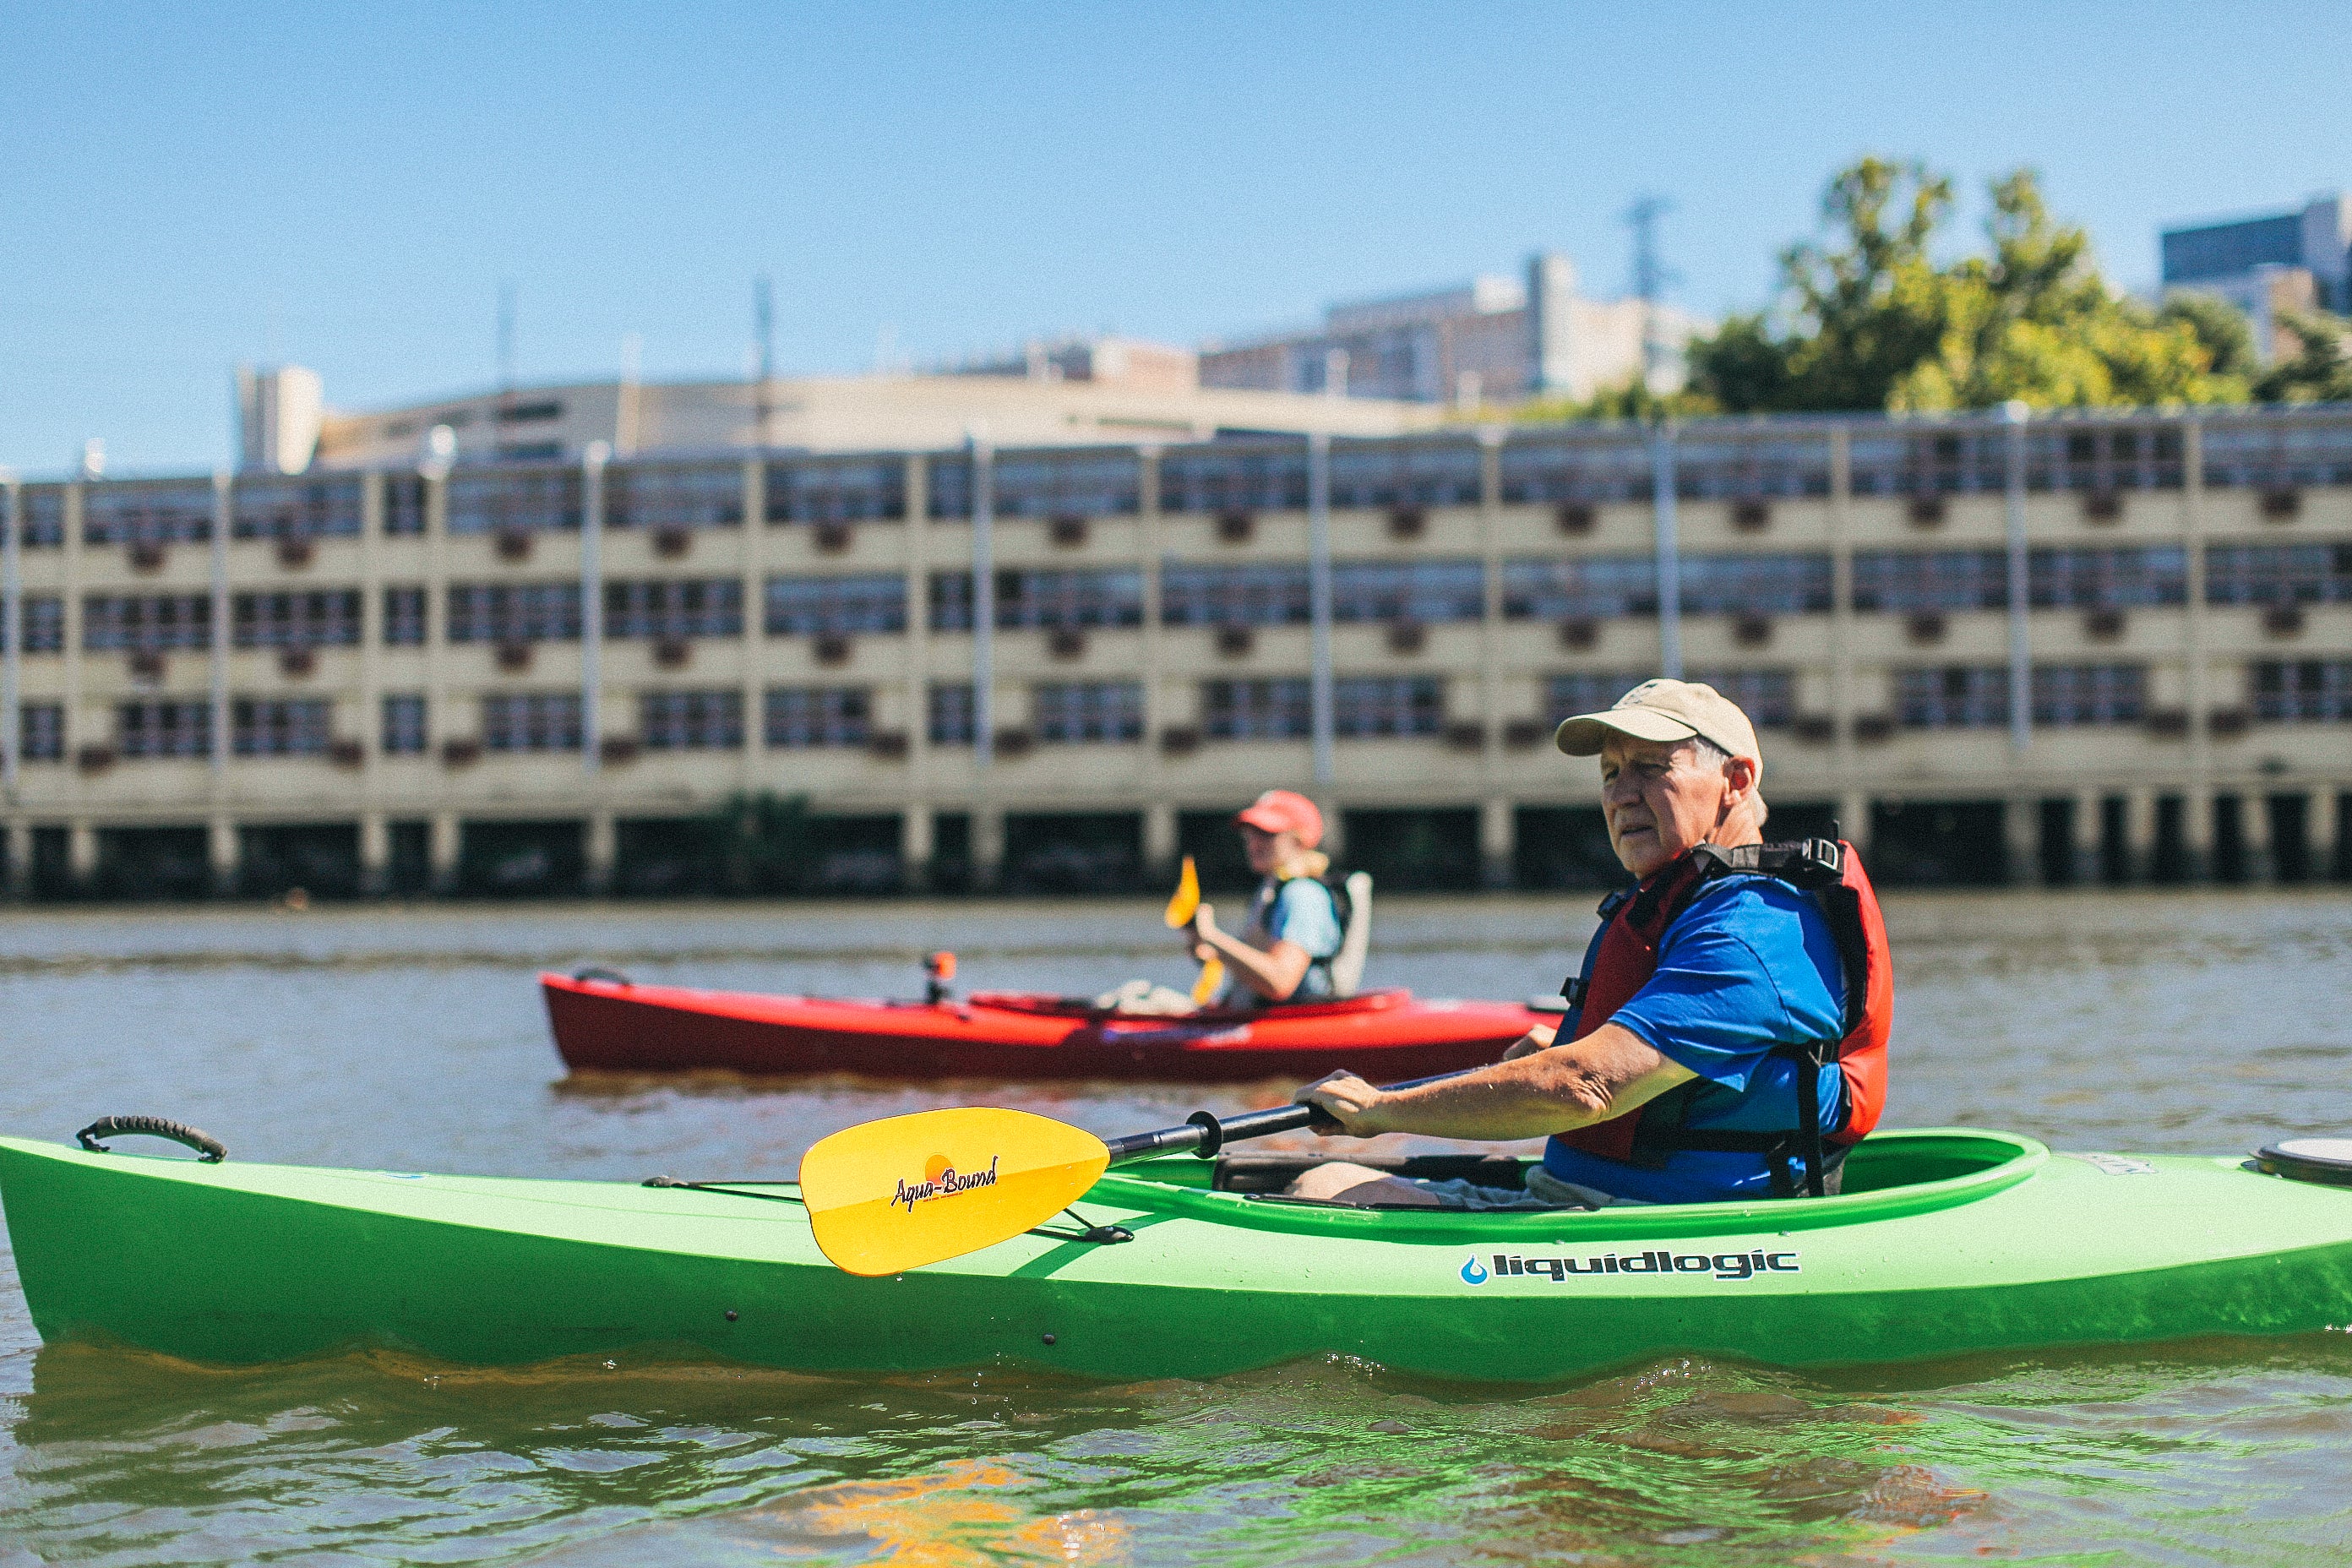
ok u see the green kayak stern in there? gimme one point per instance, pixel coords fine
(1943, 1242)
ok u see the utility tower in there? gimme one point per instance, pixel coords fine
(763, 323)
(506, 339)
(1651, 279)
(506, 361)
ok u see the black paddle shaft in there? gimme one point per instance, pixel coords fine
(1203, 1132)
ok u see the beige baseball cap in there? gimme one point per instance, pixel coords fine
(1663, 710)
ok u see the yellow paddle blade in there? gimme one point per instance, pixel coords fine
(1187, 898)
(1212, 981)
(890, 1196)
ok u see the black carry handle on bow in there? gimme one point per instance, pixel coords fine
(210, 1149)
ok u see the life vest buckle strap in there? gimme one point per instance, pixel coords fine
(1807, 863)
(1780, 1147)
(1809, 1118)
(1718, 1140)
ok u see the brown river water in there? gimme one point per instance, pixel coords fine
(412, 1039)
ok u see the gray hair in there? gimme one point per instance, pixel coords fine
(1708, 755)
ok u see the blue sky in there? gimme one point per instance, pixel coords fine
(346, 187)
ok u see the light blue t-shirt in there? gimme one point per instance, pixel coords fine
(1748, 966)
(1299, 911)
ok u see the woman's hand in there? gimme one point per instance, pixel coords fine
(1202, 933)
(1347, 1099)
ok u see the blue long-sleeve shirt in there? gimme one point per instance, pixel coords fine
(1749, 964)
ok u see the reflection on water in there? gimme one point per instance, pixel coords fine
(414, 1040)
(2212, 1453)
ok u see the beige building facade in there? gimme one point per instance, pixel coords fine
(1144, 402)
(1495, 339)
(2058, 648)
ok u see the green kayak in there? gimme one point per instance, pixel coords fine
(1942, 1242)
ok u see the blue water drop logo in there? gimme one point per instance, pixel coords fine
(1473, 1272)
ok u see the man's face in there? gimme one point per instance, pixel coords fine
(1659, 798)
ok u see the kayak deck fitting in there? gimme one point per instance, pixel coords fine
(1942, 1242)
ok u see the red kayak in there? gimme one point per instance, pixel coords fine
(606, 1024)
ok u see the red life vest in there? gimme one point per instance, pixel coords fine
(1625, 955)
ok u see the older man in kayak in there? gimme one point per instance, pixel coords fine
(1713, 996)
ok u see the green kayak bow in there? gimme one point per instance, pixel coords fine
(1942, 1242)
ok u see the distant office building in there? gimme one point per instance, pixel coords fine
(1131, 363)
(1493, 340)
(279, 411)
(1066, 393)
(2266, 265)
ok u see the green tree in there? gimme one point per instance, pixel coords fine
(2221, 327)
(1858, 311)
(1742, 366)
(2321, 371)
(1869, 320)
(1868, 309)
(2034, 321)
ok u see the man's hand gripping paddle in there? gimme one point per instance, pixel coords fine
(1182, 908)
(890, 1196)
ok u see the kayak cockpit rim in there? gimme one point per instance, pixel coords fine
(1888, 1175)
(1046, 1005)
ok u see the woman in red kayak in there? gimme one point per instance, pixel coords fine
(1294, 931)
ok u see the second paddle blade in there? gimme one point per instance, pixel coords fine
(1187, 897)
(890, 1195)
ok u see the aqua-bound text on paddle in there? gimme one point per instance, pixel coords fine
(941, 1180)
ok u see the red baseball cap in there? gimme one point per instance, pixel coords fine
(1285, 811)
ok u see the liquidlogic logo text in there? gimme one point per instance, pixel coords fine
(941, 1180)
(1720, 1265)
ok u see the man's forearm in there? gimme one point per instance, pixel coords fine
(1533, 1095)
(1510, 1099)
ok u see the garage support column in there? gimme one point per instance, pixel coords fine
(2197, 834)
(988, 848)
(20, 859)
(604, 850)
(375, 853)
(1852, 821)
(2090, 838)
(2139, 835)
(2322, 823)
(918, 844)
(1159, 843)
(441, 851)
(1497, 843)
(2021, 832)
(2256, 863)
(221, 852)
(81, 853)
